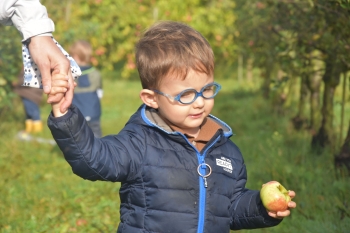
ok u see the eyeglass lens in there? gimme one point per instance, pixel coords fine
(208, 92)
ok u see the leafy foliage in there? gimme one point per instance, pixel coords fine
(10, 63)
(114, 27)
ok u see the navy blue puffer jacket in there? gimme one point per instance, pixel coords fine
(161, 189)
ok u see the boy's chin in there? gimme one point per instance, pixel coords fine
(194, 126)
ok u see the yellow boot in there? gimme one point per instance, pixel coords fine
(29, 126)
(37, 126)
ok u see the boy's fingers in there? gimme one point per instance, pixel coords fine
(60, 77)
(291, 193)
(69, 94)
(283, 213)
(56, 90)
(274, 215)
(59, 87)
(292, 204)
(60, 83)
(55, 98)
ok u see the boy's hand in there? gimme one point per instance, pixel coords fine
(59, 85)
(282, 214)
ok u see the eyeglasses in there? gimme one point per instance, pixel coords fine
(188, 96)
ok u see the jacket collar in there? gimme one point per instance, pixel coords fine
(150, 117)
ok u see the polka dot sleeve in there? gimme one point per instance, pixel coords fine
(32, 75)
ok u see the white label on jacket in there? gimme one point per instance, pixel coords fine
(225, 163)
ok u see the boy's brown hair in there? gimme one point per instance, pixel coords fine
(83, 50)
(172, 48)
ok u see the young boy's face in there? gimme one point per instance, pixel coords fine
(187, 117)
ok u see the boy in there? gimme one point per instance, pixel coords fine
(88, 92)
(179, 171)
(31, 99)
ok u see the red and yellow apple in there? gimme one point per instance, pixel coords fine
(274, 196)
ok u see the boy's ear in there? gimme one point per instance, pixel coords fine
(149, 98)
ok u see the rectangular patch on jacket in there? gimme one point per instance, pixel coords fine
(225, 163)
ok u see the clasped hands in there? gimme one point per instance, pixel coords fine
(51, 61)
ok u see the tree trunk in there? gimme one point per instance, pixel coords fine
(331, 78)
(240, 68)
(249, 73)
(340, 138)
(268, 70)
(343, 158)
(314, 84)
(300, 120)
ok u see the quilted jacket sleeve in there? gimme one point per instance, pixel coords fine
(112, 158)
(29, 17)
(247, 210)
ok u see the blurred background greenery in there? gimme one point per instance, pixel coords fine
(284, 66)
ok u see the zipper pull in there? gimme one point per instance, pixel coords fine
(204, 176)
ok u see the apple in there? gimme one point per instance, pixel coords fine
(274, 196)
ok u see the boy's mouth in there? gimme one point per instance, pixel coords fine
(198, 115)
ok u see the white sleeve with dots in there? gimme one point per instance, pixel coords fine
(32, 75)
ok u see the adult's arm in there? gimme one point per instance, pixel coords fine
(28, 16)
(31, 19)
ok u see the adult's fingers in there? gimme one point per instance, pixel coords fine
(39, 48)
(49, 59)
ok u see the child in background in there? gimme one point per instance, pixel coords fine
(178, 169)
(88, 92)
(31, 99)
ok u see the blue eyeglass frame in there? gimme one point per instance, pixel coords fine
(200, 93)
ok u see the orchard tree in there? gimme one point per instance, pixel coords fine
(308, 40)
(334, 43)
(343, 157)
(114, 27)
(255, 41)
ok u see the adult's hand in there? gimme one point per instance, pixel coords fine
(49, 59)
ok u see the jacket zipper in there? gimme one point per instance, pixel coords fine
(202, 189)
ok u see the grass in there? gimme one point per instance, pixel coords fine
(39, 193)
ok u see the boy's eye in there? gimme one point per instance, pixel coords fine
(208, 89)
(187, 93)
(187, 96)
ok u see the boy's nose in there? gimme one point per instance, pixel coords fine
(199, 102)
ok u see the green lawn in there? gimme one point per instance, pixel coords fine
(39, 193)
